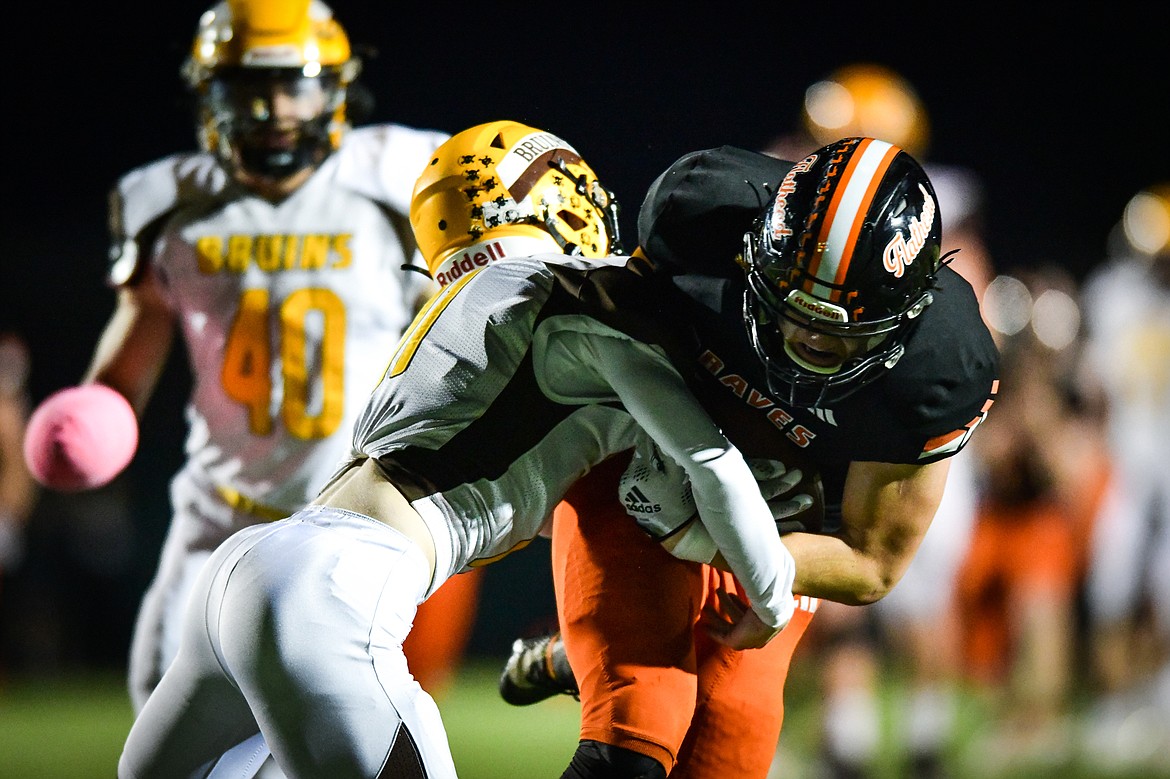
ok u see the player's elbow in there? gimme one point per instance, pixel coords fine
(873, 591)
(880, 581)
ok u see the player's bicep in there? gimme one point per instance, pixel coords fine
(888, 508)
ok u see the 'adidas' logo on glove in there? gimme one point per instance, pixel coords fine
(636, 502)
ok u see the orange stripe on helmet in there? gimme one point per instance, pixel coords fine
(845, 214)
(866, 201)
(830, 213)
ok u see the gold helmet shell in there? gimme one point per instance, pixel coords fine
(269, 34)
(504, 189)
(867, 99)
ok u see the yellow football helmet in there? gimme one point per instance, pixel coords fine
(866, 99)
(503, 189)
(271, 79)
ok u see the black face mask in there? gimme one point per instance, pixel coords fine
(310, 147)
(243, 103)
(801, 387)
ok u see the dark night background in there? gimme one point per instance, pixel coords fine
(1063, 116)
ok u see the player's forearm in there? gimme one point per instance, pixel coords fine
(133, 349)
(886, 512)
(828, 568)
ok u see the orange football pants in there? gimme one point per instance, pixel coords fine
(651, 679)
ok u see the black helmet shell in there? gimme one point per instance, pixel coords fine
(849, 245)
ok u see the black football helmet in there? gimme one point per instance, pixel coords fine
(849, 247)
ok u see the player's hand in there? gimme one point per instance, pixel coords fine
(777, 481)
(655, 491)
(738, 626)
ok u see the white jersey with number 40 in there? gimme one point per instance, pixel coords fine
(289, 310)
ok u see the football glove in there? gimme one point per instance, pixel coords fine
(656, 492)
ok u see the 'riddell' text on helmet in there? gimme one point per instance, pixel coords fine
(849, 247)
(271, 78)
(503, 189)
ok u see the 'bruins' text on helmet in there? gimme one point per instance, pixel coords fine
(271, 78)
(503, 189)
(848, 247)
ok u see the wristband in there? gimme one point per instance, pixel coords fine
(695, 544)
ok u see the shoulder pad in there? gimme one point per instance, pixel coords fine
(949, 375)
(144, 193)
(382, 162)
(696, 212)
(143, 199)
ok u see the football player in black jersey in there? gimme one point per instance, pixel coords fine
(812, 314)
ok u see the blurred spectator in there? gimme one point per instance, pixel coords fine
(1043, 470)
(54, 547)
(1126, 367)
(913, 626)
(18, 491)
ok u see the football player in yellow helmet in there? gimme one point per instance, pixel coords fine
(516, 379)
(503, 189)
(280, 253)
(271, 80)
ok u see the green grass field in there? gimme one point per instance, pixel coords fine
(74, 728)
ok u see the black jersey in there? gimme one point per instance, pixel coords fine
(922, 410)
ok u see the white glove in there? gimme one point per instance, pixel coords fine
(657, 493)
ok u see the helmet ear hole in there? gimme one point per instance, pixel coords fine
(575, 223)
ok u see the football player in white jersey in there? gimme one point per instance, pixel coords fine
(514, 381)
(1126, 370)
(282, 252)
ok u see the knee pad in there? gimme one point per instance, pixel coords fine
(595, 760)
